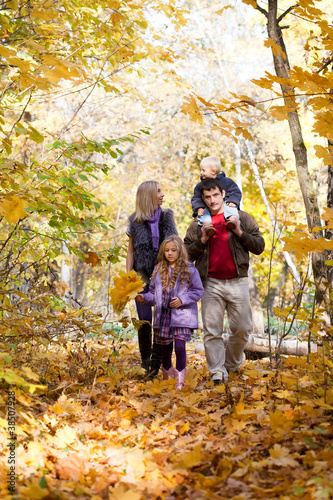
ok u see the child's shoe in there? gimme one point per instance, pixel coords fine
(167, 373)
(228, 212)
(230, 224)
(210, 231)
(180, 378)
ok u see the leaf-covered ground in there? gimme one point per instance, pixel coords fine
(268, 434)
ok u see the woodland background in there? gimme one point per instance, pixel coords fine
(97, 97)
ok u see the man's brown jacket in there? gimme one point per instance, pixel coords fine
(250, 241)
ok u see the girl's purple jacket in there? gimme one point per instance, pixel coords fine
(187, 314)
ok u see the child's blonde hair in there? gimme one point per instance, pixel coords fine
(181, 268)
(212, 162)
(146, 200)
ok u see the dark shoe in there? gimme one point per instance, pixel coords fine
(210, 231)
(156, 360)
(146, 364)
(230, 224)
(217, 381)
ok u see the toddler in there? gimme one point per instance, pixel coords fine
(210, 167)
(174, 291)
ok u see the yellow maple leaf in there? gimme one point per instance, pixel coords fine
(191, 458)
(122, 493)
(280, 425)
(33, 492)
(280, 456)
(12, 208)
(233, 425)
(190, 107)
(328, 217)
(276, 49)
(253, 3)
(224, 468)
(184, 428)
(324, 154)
(57, 409)
(66, 435)
(69, 405)
(126, 287)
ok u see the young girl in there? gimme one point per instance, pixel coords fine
(174, 291)
(148, 226)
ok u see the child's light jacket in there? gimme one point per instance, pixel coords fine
(187, 314)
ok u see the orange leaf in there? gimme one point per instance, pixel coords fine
(92, 258)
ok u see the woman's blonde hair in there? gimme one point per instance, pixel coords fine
(212, 162)
(181, 269)
(146, 200)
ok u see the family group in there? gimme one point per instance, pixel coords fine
(210, 264)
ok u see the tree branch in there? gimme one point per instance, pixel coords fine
(286, 13)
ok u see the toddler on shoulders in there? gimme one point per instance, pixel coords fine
(210, 167)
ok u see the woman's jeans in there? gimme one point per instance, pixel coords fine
(151, 358)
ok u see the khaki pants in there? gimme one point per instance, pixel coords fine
(230, 295)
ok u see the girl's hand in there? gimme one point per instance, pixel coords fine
(175, 303)
(140, 298)
(201, 211)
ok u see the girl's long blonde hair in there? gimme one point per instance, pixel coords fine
(181, 269)
(146, 200)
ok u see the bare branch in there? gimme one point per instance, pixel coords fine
(285, 13)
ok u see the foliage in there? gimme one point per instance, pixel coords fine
(126, 287)
(264, 435)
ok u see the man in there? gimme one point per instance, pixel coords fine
(222, 260)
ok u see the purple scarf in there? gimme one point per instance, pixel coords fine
(153, 224)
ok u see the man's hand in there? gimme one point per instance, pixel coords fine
(140, 298)
(175, 302)
(237, 229)
(204, 237)
(201, 211)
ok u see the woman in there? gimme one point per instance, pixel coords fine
(148, 227)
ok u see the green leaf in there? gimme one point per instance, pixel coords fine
(35, 135)
(43, 482)
(113, 154)
(83, 177)
(19, 129)
(329, 262)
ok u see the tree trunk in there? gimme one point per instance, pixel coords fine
(290, 347)
(80, 273)
(257, 311)
(282, 69)
(66, 273)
